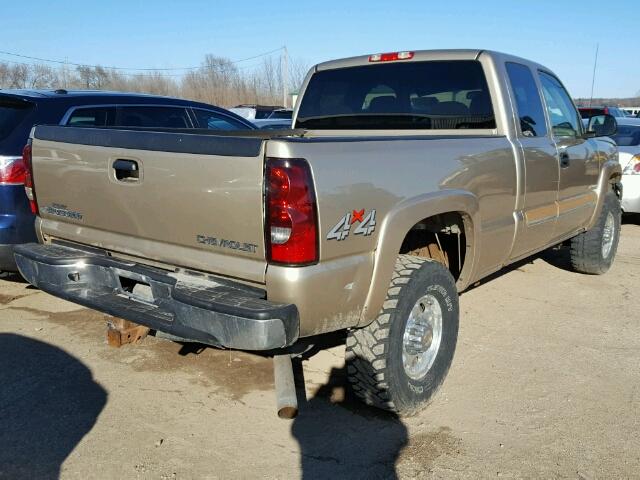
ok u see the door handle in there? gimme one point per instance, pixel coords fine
(564, 160)
(126, 170)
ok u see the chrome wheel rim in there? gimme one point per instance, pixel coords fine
(422, 337)
(607, 235)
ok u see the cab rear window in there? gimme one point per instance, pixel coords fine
(12, 113)
(412, 95)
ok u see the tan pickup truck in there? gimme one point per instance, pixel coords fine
(408, 177)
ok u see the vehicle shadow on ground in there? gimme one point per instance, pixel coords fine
(48, 403)
(14, 277)
(11, 277)
(559, 257)
(555, 256)
(340, 437)
(631, 219)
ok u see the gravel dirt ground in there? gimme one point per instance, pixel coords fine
(545, 384)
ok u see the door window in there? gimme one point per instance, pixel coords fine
(152, 116)
(528, 103)
(92, 117)
(565, 120)
(215, 121)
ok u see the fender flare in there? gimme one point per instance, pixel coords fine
(399, 221)
(610, 172)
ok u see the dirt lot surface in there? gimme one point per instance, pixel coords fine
(545, 383)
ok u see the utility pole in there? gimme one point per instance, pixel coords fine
(285, 76)
(64, 71)
(593, 78)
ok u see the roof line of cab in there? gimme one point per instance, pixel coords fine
(426, 55)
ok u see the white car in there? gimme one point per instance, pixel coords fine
(628, 140)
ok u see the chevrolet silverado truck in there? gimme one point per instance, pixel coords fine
(408, 177)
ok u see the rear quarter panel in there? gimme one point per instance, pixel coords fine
(383, 174)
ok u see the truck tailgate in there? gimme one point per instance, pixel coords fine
(187, 200)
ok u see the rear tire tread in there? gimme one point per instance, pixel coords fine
(371, 342)
(586, 247)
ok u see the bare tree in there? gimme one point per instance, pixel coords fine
(5, 74)
(18, 76)
(218, 81)
(42, 76)
(298, 69)
(270, 77)
(86, 76)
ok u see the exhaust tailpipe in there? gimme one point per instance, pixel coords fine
(286, 399)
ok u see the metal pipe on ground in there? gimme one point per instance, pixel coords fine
(286, 400)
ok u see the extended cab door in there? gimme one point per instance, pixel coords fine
(538, 162)
(579, 164)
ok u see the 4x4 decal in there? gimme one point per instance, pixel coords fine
(367, 224)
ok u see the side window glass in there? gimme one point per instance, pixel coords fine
(214, 121)
(162, 117)
(528, 102)
(565, 121)
(91, 117)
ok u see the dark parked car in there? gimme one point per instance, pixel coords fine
(20, 110)
(588, 112)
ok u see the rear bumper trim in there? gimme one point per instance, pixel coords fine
(218, 312)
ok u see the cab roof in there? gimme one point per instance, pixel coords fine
(61, 92)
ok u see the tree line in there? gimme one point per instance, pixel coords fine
(613, 102)
(218, 81)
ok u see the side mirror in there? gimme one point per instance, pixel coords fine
(602, 126)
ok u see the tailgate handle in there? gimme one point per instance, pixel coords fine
(126, 170)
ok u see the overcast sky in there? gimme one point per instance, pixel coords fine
(161, 34)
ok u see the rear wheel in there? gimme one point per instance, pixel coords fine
(399, 361)
(593, 251)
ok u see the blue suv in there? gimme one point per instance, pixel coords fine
(20, 110)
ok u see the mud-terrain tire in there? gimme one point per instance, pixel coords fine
(377, 354)
(593, 251)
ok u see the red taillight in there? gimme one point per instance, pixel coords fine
(390, 57)
(28, 178)
(291, 218)
(12, 170)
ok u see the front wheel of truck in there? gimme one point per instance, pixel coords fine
(399, 361)
(593, 251)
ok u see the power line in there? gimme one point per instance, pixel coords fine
(105, 68)
(153, 73)
(75, 64)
